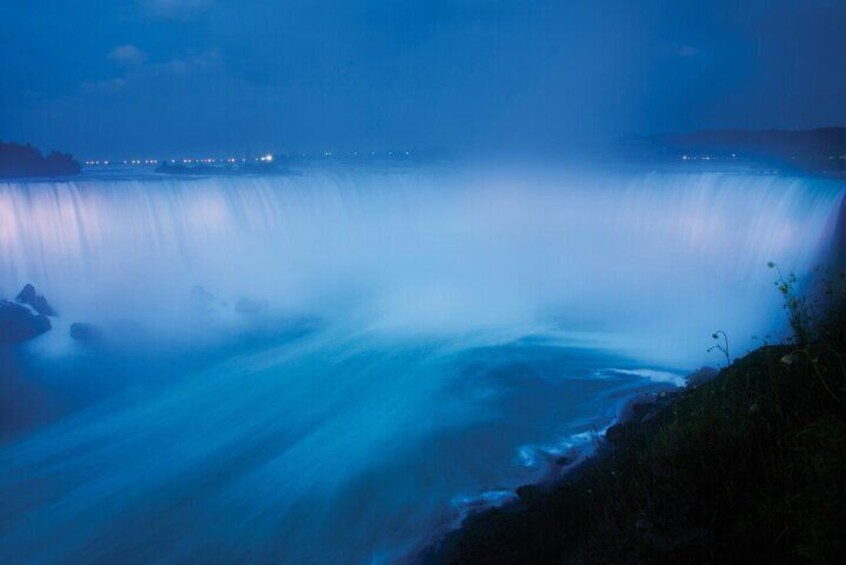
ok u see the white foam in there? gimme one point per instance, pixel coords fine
(653, 375)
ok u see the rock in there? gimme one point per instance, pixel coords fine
(37, 301)
(702, 376)
(202, 298)
(26, 294)
(18, 323)
(82, 331)
(250, 307)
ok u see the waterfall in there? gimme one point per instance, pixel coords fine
(426, 250)
(374, 352)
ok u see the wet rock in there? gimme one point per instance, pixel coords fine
(202, 298)
(250, 307)
(82, 331)
(19, 323)
(37, 301)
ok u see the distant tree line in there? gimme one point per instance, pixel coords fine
(18, 160)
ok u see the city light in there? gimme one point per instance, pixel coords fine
(262, 158)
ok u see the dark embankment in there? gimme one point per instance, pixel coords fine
(748, 467)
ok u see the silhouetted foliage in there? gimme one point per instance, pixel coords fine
(18, 160)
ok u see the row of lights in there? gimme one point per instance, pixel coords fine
(734, 156)
(264, 158)
(695, 158)
(125, 162)
(703, 158)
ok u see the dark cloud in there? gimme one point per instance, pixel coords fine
(203, 75)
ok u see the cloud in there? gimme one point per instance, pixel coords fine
(127, 55)
(108, 85)
(191, 63)
(136, 71)
(175, 9)
(688, 51)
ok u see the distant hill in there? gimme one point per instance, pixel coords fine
(18, 160)
(818, 149)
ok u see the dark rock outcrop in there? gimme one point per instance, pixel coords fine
(29, 297)
(18, 323)
(202, 299)
(82, 331)
(24, 318)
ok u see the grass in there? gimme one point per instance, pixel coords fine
(749, 466)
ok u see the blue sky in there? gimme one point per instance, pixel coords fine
(151, 78)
